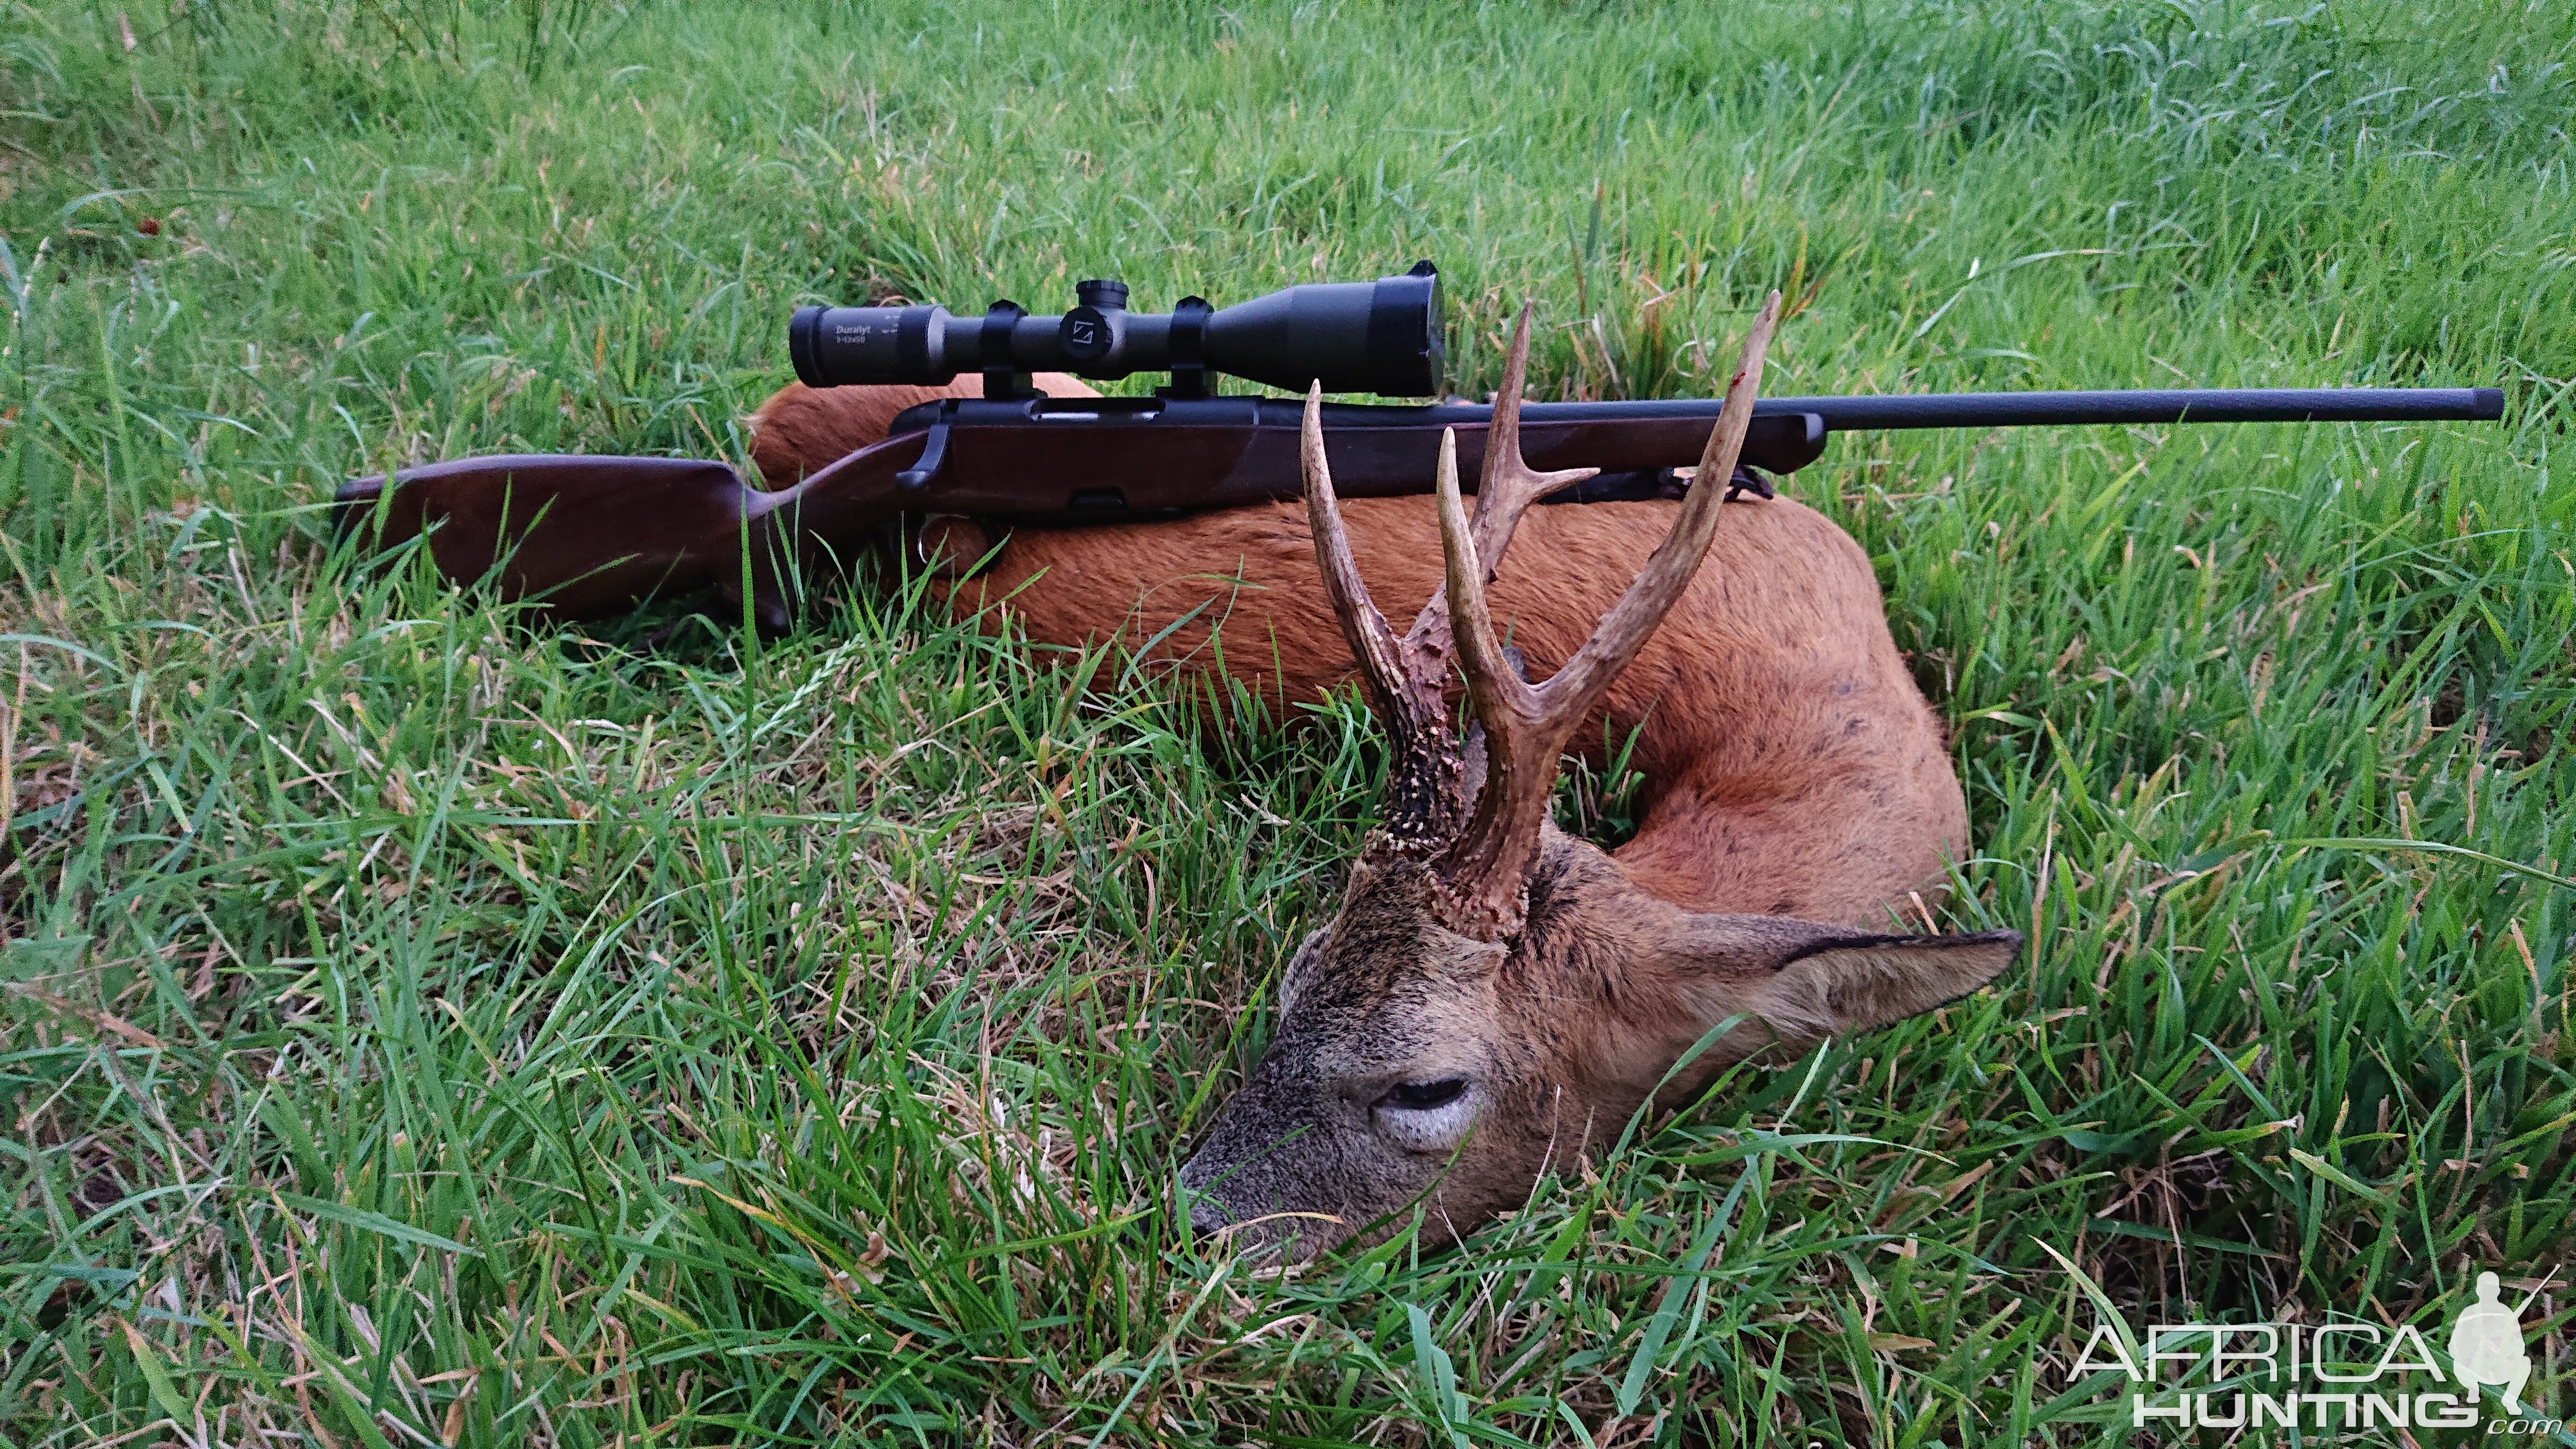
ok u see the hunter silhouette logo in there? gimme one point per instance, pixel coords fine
(2486, 1345)
(2341, 1374)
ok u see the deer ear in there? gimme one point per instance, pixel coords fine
(1806, 981)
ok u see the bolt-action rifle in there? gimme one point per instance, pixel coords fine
(588, 535)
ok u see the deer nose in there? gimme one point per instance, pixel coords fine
(1206, 1218)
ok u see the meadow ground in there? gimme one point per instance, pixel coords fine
(425, 1028)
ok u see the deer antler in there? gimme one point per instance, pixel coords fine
(1508, 485)
(1484, 871)
(1426, 797)
(1403, 676)
(1483, 857)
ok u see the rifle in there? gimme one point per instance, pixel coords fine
(588, 535)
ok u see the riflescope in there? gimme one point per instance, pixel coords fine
(1381, 337)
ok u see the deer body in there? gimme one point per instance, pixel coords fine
(1494, 995)
(1791, 766)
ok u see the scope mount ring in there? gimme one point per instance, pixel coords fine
(1006, 380)
(1187, 354)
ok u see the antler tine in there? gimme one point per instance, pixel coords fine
(1526, 726)
(1624, 630)
(1508, 484)
(1403, 679)
(1373, 643)
(1487, 903)
(1505, 489)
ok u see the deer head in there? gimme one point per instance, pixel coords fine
(1493, 994)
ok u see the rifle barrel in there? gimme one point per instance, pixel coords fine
(2179, 405)
(2059, 409)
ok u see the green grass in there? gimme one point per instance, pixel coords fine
(424, 1027)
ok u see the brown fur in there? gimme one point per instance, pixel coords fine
(1797, 789)
(1791, 765)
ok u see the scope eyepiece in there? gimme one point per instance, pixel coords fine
(1381, 337)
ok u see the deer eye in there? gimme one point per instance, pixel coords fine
(1424, 1096)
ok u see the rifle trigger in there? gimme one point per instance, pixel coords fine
(1749, 479)
(934, 453)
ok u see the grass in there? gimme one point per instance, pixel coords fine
(425, 1028)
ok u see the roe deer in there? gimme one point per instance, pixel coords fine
(1492, 995)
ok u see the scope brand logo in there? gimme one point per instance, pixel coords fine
(2337, 1377)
